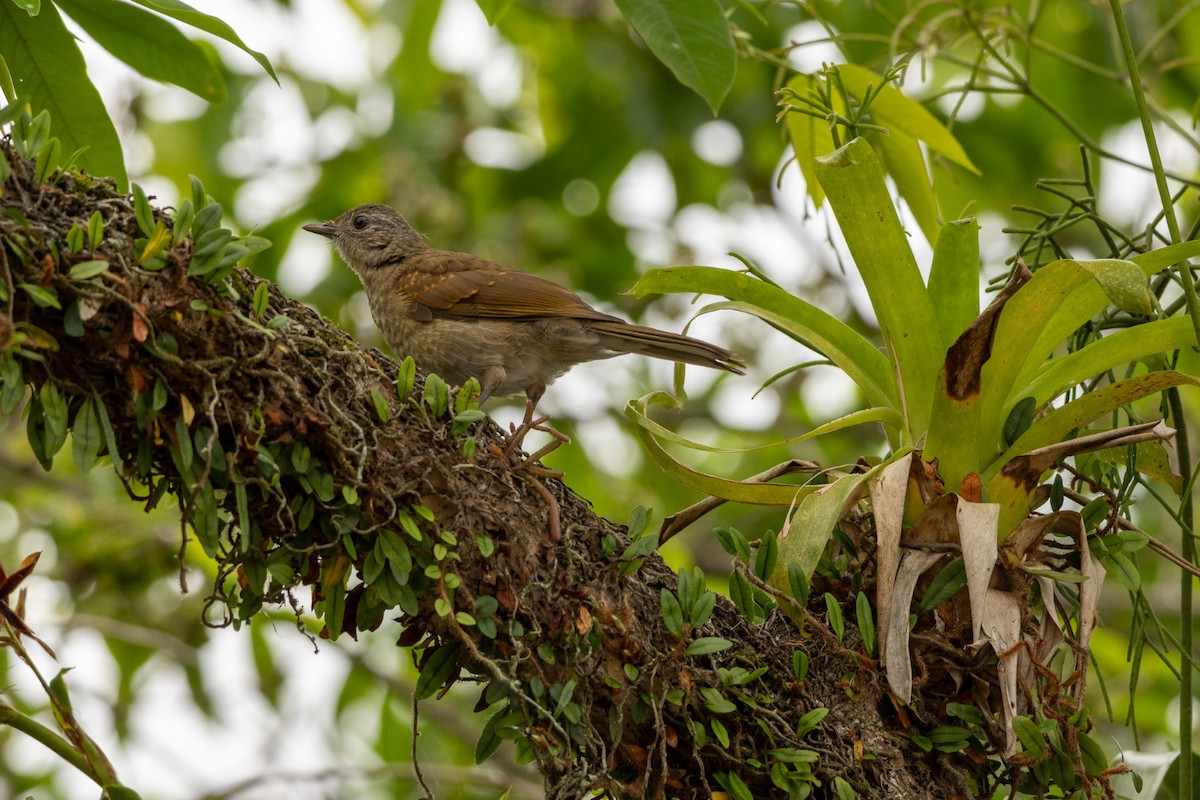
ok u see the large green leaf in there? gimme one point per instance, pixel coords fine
(1062, 296)
(49, 72)
(831, 337)
(853, 180)
(957, 407)
(149, 44)
(1019, 345)
(810, 526)
(207, 23)
(692, 38)
(892, 109)
(812, 523)
(1123, 282)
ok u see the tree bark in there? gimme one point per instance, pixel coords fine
(296, 463)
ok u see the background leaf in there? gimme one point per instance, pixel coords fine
(692, 38)
(48, 71)
(149, 44)
(208, 23)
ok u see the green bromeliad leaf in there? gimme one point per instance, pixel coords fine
(821, 331)
(771, 494)
(853, 180)
(954, 277)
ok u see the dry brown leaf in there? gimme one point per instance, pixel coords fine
(977, 524)
(939, 523)
(1026, 470)
(1050, 634)
(899, 661)
(1089, 593)
(1002, 627)
(888, 490)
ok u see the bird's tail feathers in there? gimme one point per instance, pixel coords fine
(670, 346)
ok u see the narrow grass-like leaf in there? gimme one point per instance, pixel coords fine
(837, 341)
(833, 612)
(889, 417)
(866, 622)
(738, 491)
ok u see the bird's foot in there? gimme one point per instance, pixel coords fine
(516, 437)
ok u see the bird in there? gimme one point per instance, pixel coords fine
(461, 316)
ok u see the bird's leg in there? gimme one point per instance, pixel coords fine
(530, 469)
(517, 433)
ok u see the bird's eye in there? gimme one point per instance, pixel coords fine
(360, 222)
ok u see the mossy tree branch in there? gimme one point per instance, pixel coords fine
(296, 462)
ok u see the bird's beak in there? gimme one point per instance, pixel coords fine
(325, 229)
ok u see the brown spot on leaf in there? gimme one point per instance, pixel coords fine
(966, 357)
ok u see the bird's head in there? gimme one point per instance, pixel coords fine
(371, 237)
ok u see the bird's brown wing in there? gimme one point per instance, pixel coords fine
(460, 285)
